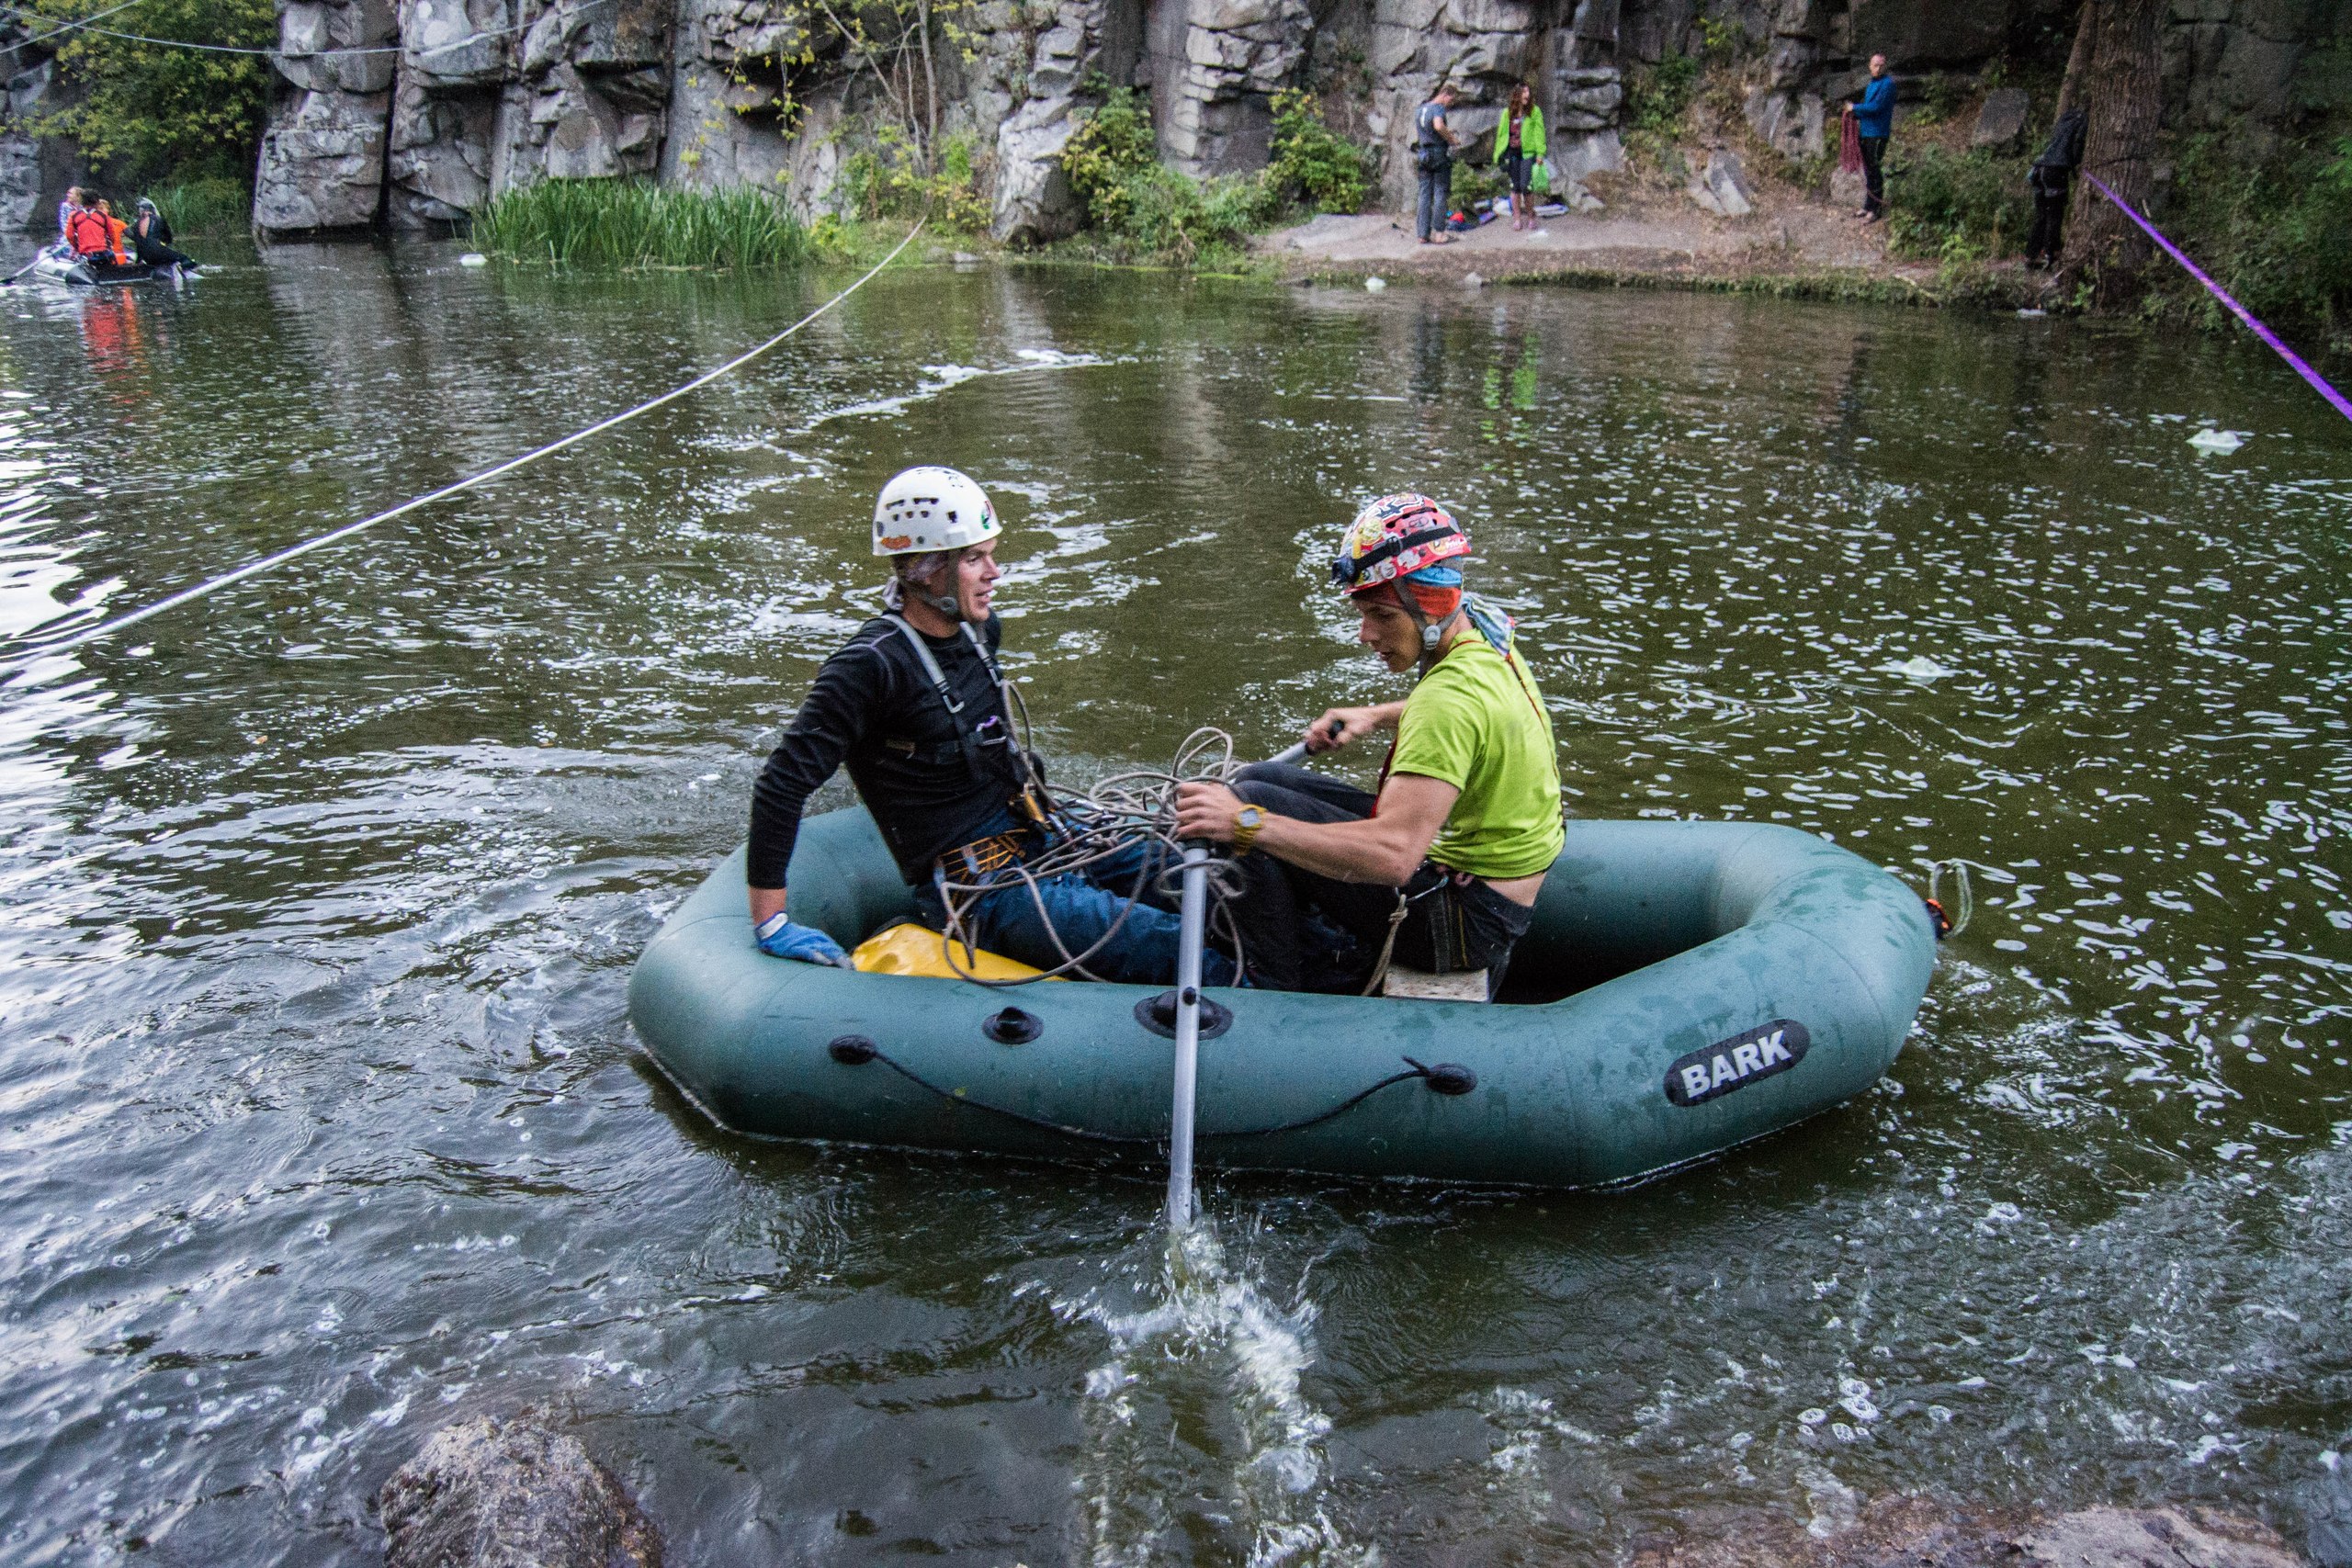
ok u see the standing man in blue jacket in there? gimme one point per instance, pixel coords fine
(1873, 114)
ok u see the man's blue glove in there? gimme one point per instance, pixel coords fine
(779, 938)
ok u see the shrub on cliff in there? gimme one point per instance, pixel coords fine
(144, 110)
(891, 179)
(1141, 210)
(1327, 172)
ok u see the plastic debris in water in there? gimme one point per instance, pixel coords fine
(2210, 440)
(1920, 667)
(473, 258)
(1376, 283)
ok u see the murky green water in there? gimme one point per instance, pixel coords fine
(323, 1124)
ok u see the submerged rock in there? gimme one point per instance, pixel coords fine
(486, 1494)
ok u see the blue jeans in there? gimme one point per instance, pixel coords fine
(1084, 908)
(1436, 194)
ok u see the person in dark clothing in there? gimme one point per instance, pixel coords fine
(914, 707)
(151, 239)
(2051, 178)
(1433, 145)
(1874, 115)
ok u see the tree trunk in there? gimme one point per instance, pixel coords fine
(2127, 63)
(2078, 61)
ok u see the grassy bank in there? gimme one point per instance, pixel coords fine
(633, 224)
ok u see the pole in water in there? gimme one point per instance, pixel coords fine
(1193, 921)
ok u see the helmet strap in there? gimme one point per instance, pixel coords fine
(949, 603)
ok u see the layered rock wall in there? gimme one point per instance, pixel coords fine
(409, 114)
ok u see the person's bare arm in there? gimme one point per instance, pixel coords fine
(1354, 725)
(1385, 850)
(766, 902)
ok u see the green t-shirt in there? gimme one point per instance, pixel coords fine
(1479, 722)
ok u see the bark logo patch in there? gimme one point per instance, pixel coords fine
(1712, 1071)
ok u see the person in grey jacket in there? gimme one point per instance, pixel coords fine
(1433, 145)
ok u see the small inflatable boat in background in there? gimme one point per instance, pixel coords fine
(1685, 987)
(93, 271)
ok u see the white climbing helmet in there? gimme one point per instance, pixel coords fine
(932, 509)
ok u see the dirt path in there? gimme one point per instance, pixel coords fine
(1666, 239)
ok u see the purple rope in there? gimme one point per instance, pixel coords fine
(2318, 381)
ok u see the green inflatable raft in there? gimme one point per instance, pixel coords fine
(1685, 987)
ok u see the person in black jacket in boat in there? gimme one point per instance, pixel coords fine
(151, 239)
(914, 707)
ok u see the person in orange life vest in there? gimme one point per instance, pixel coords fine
(86, 233)
(116, 230)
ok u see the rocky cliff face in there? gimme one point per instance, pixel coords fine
(411, 113)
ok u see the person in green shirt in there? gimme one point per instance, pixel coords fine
(1439, 870)
(1519, 151)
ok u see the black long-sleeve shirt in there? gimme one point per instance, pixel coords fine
(873, 708)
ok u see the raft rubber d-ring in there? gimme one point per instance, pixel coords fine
(1446, 1077)
(1012, 1027)
(854, 1050)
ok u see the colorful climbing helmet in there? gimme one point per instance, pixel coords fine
(1395, 537)
(932, 509)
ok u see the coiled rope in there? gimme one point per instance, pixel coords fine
(254, 569)
(1128, 814)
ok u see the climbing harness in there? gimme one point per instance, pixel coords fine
(1444, 1077)
(254, 569)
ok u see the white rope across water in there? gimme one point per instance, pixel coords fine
(254, 569)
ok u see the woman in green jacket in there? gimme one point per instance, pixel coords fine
(1519, 146)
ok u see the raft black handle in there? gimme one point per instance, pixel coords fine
(854, 1050)
(1012, 1027)
(1158, 1013)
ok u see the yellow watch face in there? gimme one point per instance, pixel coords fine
(1249, 816)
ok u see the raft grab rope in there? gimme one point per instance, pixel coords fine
(1445, 1078)
(2319, 383)
(254, 569)
(1963, 898)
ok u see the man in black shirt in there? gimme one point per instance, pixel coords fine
(913, 705)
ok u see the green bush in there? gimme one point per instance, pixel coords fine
(145, 111)
(1957, 205)
(1108, 154)
(888, 180)
(574, 222)
(1328, 172)
(1657, 95)
(1142, 210)
(2277, 233)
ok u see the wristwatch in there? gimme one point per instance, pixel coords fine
(1246, 823)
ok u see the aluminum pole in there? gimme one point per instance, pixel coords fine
(1193, 918)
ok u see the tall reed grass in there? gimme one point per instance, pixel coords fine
(623, 223)
(215, 206)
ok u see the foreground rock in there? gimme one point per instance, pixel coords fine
(486, 1494)
(1917, 1532)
